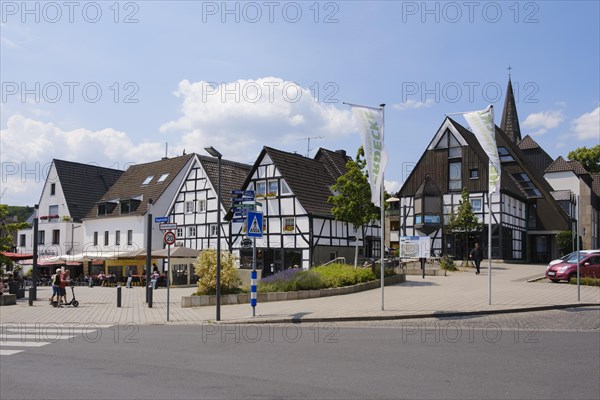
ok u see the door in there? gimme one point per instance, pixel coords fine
(591, 268)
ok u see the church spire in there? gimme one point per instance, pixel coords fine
(510, 119)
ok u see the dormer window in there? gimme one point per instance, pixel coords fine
(504, 154)
(125, 207)
(162, 178)
(147, 180)
(101, 209)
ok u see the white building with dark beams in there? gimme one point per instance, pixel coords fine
(299, 229)
(537, 198)
(194, 208)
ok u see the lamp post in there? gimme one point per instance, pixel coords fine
(215, 153)
(34, 275)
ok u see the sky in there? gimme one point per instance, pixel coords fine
(112, 83)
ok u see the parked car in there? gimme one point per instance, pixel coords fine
(566, 257)
(589, 267)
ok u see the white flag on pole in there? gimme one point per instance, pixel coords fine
(370, 127)
(482, 125)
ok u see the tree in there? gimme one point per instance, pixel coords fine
(464, 220)
(6, 234)
(565, 242)
(206, 270)
(352, 201)
(589, 158)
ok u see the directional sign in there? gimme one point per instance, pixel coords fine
(167, 227)
(254, 224)
(169, 238)
(237, 192)
(241, 219)
(161, 219)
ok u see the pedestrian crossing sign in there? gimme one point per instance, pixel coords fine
(254, 227)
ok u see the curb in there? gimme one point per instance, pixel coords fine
(442, 314)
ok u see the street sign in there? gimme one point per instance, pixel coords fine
(254, 224)
(237, 192)
(169, 238)
(161, 219)
(167, 227)
(246, 243)
(249, 193)
(241, 219)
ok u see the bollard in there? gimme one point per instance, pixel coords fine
(31, 295)
(119, 296)
(149, 296)
(91, 282)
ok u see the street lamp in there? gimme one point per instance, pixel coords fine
(215, 153)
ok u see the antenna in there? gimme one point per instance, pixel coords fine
(308, 149)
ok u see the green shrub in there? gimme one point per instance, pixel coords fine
(206, 269)
(446, 263)
(586, 281)
(308, 280)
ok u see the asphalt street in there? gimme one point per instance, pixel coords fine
(538, 355)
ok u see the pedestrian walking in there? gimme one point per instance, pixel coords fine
(129, 279)
(476, 255)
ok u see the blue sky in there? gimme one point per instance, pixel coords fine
(110, 83)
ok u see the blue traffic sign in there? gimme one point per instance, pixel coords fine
(161, 219)
(254, 224)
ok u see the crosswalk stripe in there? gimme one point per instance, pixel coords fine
(35, 336)
(4, 352)
(54, 326)
(44, 331)
(22, 344)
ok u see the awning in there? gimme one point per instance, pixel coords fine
(16, 256)
(177, 252)
(44, 262)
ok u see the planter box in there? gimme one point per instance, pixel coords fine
(194, 301)
(8, 299)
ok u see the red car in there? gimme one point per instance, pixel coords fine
(589, 266)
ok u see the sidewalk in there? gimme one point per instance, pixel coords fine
(434, 296)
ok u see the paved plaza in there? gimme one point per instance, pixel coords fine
(456, 293)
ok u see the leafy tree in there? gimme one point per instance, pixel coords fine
(352, 201)
(565, 242)
(6, 234)
(463, 220)
(589, 158)
(206, 270)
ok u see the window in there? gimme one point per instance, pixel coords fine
(285, 189)
(504, 154)
(52, 189)
(192, 231)
(129, 237)
(101, 209)
(455, 173)
(147, 180)
(52, 213)
(476, 205)
(55, 236)
(22, 240)
(106, 238)
(41, 237)
(162, 178)
(474, 173)
(526, 184)
(117, 237)
(179, 232)
(95, 238)
(261, 188)
(190, 207)
(213, 230)
(273, 189)
(201, 205)
(289, 225)
(125, 207)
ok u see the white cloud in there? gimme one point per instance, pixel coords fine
(239, 117)
(392, 187)
(413, 105)
(587, 126)
(543, 121)
(28, 147)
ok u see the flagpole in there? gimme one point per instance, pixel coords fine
(490, 221)
(382, 207)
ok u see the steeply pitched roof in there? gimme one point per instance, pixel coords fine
(510, 119)
(528, 143)
(233, 176)
(309, 179)
(130, 184)
(84, 184)
(596, 183)
(536, 156)
(562, 165)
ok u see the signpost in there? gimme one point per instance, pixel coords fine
(416, 247)
(169, 239)
(167, 227)
(161, 219)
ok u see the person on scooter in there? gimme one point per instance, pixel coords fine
(65, 279)
(56, 286)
